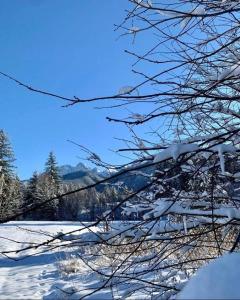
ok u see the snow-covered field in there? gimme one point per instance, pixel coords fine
(27, 276)
(54, 270)
(28, 271)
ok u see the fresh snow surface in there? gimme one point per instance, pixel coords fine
(39, 274)
(174, 151)
(217, 280)
(33, 276)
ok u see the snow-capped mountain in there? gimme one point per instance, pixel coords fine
(66, 169)
(86, 175)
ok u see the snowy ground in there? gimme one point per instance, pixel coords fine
(30, 277)
(39, 273)
(36, 273)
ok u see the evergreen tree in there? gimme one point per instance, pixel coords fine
(50, 186)
(33, 186)
(16, 195)
(6, 155)
(10, 190)
(42, 187)
(51, 169)
(33, 195)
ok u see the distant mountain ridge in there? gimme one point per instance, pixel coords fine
(66, 169)
(80, 174)
(84, 175)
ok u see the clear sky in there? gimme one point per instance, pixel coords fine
(67, 47)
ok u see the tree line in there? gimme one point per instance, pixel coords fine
(87, 205)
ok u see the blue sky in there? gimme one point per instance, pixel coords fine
(67, 47)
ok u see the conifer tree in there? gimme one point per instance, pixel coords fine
(33, 195)
(9, 184)
(6, 155)
(50, 186)
(51, 169)
(42, 187)
(33, 186)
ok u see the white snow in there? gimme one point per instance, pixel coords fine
(221, 149)
(125, 90)
(38, 276)
(134, 29)
(174, 151)
(32, 276)
(218, 280)
(198, 11)
(232, 71)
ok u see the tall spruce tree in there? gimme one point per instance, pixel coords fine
(51, 186)
(51, 169)
(33, 186)
(33, 195)
(6, 155)
(9, 184)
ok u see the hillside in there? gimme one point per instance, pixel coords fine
(84, 175)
